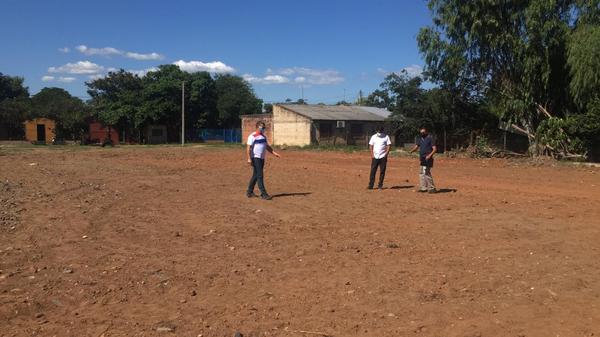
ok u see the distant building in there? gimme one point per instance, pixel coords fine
(40, 130)
(100, 134)
(303, 124)
(155, 134)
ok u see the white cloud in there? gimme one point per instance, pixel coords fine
(143, 72)
(211, 67)
(66, 79)
(62, 79)
(64, 50)
(144, 57)
(269, 79)
(81, 67)
(413, 70)
(106, 51)
(96, 76)
(300, 75)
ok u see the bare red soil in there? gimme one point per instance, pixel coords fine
(162, 241)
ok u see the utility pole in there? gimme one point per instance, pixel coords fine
(302, 88)
(182, 113)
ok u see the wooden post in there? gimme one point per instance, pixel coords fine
(445, 148)
(182, 113)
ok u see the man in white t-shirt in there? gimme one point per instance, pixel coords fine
(256, 147)
(380, 144)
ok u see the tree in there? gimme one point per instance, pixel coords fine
(512, 52)
(583, 59)
(268, 108)
(202, 100)
(235, 98)
(12, 87)
(116, 100)
(14, 106)
(438, 109)
(69, 112)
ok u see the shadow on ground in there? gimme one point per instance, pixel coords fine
(297, 194)
(401, 187)
(447, 190)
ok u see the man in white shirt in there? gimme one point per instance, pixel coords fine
(256, 147)
(380, 144)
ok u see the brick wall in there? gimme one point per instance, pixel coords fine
(249, 125)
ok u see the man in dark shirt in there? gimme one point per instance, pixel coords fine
(425, 143)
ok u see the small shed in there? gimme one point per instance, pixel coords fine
(99, 133)
(40, 130)
(155, 134)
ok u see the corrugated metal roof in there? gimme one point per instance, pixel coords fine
(339, 112)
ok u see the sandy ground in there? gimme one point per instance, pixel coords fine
(162, 241)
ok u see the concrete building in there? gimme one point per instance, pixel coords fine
(40, 130)
(301, 125)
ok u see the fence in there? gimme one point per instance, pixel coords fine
(224, 135)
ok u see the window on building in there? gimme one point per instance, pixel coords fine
(325, 130)
(356, 130)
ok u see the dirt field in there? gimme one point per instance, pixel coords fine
(162, 241)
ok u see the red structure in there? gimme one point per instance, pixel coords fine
(99, 133)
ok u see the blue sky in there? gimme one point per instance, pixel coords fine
(325, 48)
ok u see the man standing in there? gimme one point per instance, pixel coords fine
(380, 147)
(256, 147)
(426, 145)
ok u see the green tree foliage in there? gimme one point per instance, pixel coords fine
(12, 87)
(14, 106)
(131, 102)
(438, 109)
(584, 64)
(235, 97)
(69, 112)
(514, 55)
(116, 100)
(268, 108)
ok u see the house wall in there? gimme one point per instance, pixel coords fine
(99, 132)
(290, 128)
(344, 136)
(249, 125)
(31, 129)
(156, 139)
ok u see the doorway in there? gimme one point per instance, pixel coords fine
(41, 133)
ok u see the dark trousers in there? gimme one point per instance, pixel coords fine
(258, 166)
(375, 163)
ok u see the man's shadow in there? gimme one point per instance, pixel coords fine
(446, 190)
(401, 187)
(296, 194)
(441, 190)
